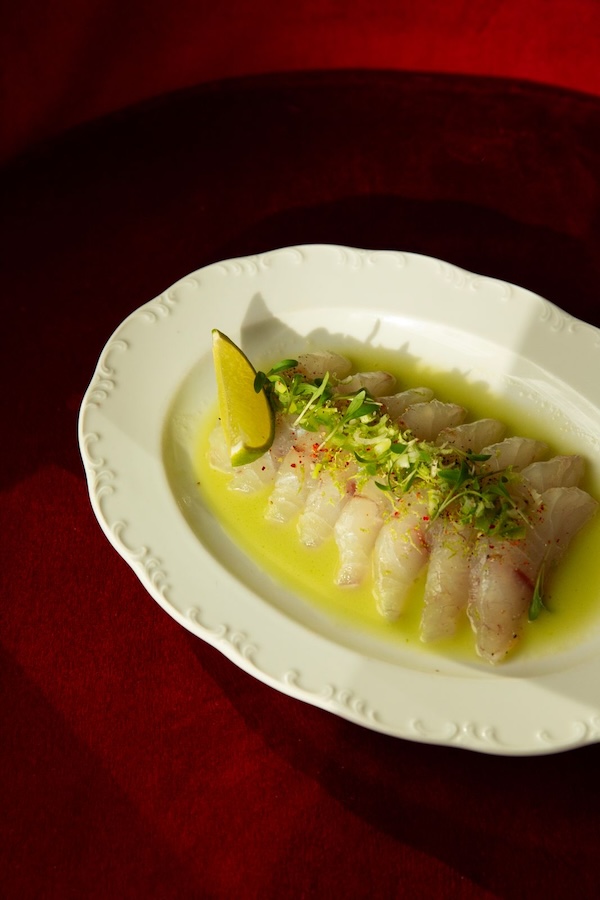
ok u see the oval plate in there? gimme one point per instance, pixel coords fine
(140, 417)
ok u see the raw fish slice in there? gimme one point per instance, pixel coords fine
(326, 498)
(291, 481)
(448, 578)
(254, 476)
(249, 478)
(563, 512)
(499, 598)
(285, 436)
(399, 555)
(504, 573)
(355, 532)
(382, 498)
(378, 384)
(517, 452)
(426, 420)
(395, 404)
(560, 471)
(472, 436)
(218, 450)
(317, 364)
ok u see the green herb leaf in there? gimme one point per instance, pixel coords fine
(260, 381)
(383, 487)
(537, 602)
(283, 365)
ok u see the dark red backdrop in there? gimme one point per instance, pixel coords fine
(136, 761)
(69, 61)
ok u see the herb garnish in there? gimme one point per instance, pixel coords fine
(356, 428)
(537, 602)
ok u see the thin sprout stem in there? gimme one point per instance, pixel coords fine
(318, 393)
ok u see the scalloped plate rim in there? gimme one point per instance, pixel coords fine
(105, 440)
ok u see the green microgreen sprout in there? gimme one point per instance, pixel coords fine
(314, 399)
(262, 379)
(537, 603)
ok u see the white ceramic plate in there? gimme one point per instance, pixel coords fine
(138, 423)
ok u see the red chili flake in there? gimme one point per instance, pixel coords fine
(292, 465)
(426, 518)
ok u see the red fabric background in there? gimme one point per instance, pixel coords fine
(70, 61)
(136, 761)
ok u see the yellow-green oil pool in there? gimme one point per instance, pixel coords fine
(572, 592)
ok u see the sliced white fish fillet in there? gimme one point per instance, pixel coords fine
(499, 597)
(255, 475)
(218, 450)
(560, 471)
(399, 555)
(472, 436)
(326, 498)
(517, 452)
(317, 364)
(249, 478)
(448, 579)
(563, 512)
(285, 435)
(377, 384)
(355, 532)
(395, 404)
(504, 573)
(426, 420)
(291, 481)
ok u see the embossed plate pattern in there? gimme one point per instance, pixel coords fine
(140, 417)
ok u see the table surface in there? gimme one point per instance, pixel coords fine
(136, 760)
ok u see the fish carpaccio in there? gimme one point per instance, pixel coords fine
(402, 483)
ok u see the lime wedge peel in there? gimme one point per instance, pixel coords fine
(246, 415)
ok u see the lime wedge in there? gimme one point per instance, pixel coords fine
(246, 416)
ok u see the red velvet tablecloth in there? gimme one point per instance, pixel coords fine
(135, 760)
